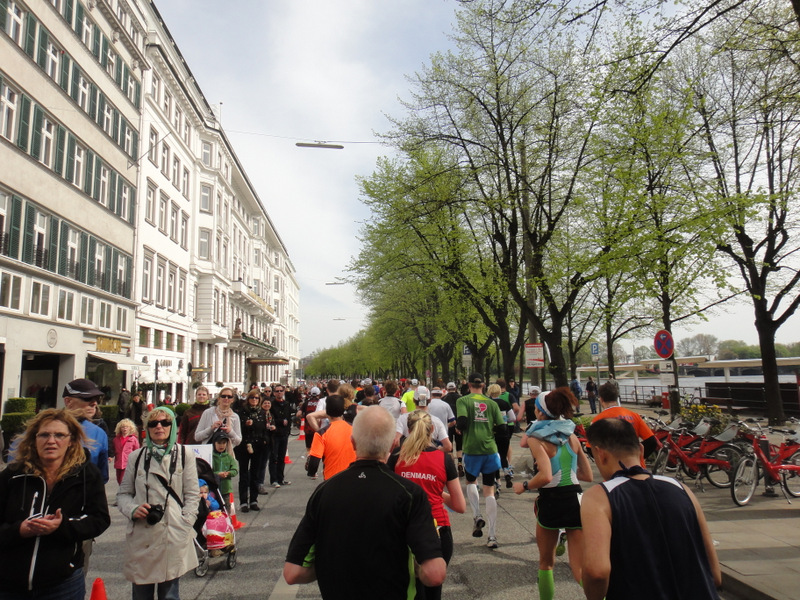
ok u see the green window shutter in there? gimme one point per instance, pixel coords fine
(14, 231)
(107, 269)
(96, 44)
(131, 209)
(79, 19)
(76, 77)
(126, 291)
(52, 258)
(68, 11)
(115, 283)
(3, 12)
(83, 260)
(104, 51)
(24, 122)
(30, 35)
(101, 107)
(93, 102)
(88, 179)
(90, 274)
(27, 234)
(64, 77)
(62, 248)
(112, 191)
(43, 39)
(115, 128)
(97, 164)
(137, 94)
(125, 78)
(134, 145)
(69, 172)
(118, 71)
(36, 138)
(58, 167)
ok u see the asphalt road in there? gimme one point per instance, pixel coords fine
(475, 571)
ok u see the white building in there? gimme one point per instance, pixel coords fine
(131, 235)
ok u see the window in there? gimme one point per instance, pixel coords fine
(102, 193)
(48, 133)
(144, 337)
(185, 182)
(108, 119)
(122, 205)
(105, 315)
(14, 22)
(163, 208)
(10, 290)
(122, 318)
(152, 152)
(78, 159)
(165, 159)
(128, 142)
(8, 111)
(171, 287)
(87, 34)
(84, 89)
(87, 310)
(216, 306)
(161, 273)
(111, 61)
(157, 338)
(170, 341)
(174, 216)
(187, 131)
(181, 306)
(53, 61)
(66, 300)
(155, 87)
(150, 204)
(72, 253)
(168, 105)
(205, 198)
(176, 121)
(40, 299)
(203, 244)
(179, 343)
(176, 171)
(206, 157)
(184, 230)
(122, 275)
(147, 278)
(99, 264)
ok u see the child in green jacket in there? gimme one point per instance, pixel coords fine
(225, 466)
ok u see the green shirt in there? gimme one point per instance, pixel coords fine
(483, 415)
(408, 400)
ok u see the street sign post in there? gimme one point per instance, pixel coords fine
(595, 352)
(664, 344)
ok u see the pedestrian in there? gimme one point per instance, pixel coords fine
(391, 402)
(575, 388)
(648, 535)
(477, 418)
(422, 398)
(220, 418)
(609, 408)
(419, 461)
(191, 417)
(561, 464)
(456, 439)
(224, 465)
(502, 435)
(248, 453)
(591, 394)
(613, 381)
(126, 440)
(160, 496)
(308, 406)
(263, 465)
(528, 408)
(123, 401)
(282, 414)
(332, 445)
(388, 534)
(137, 411)
(51, 499)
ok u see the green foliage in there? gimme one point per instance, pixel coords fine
(181, 408)
(14, 422)
(733, 349)
(695, 412)
(20, 405)
(109, 413)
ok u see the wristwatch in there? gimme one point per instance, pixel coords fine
(525, 485)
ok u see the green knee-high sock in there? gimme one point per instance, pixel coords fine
(547, 586)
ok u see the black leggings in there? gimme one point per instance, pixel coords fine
(502, 450)
(435, 593)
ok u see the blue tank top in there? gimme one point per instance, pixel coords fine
(657, 549)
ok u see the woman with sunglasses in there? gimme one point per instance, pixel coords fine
(159, 494)
(220, 417)
(52, 498)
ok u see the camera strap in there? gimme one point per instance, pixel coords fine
(173, 463)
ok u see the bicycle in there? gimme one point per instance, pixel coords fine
(776, 464)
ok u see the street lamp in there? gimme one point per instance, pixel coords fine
(322, 145)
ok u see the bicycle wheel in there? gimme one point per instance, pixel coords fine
(718, 476)
(791, 479)
(744, 480)
(660, 463)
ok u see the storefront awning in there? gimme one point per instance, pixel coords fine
(124, 363)
(268, 361)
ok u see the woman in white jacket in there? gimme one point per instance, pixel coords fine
(162, 474)
(220, 417)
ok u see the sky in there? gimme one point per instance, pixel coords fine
(323, 70)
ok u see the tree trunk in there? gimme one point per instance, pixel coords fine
(769, 365)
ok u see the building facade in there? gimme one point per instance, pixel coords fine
(133, 248)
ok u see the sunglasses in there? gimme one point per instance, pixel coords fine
(163, 422)
(278, 391)
(59, 437)
(226, 396)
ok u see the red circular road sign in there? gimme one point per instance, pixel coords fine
(664, 344)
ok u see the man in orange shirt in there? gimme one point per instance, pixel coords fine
(610, 408)
(332, 444)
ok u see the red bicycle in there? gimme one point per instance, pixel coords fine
(775, 464)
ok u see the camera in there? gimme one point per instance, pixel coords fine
(155, 514)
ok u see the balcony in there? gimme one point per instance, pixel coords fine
(252, 302)
(250, 345)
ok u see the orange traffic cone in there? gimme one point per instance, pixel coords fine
(302, 429)
(237, 524)
(98, 590)
(286, 459)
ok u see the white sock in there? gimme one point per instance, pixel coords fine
(491, 514)
(474, 498)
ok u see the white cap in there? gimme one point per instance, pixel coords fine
(422, 394)
(415, 382)
(451, 385)
(314, 391)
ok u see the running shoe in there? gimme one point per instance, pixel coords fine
(477, 531)
(492, 543)
(562, 544)
(509, 483)
(460, 470)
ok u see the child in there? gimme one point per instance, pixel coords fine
(126, 441)
(210, 499)
(224, 465)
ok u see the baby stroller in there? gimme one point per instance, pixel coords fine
(215, 533)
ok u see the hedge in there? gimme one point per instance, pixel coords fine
(20, 405)
(180, 409)
(109, 412)
(14, 422)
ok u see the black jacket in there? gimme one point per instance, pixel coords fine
(37, 563)
(257, 432)
(282, 411)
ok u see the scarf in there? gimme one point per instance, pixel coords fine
(159, 451)
(555, 431)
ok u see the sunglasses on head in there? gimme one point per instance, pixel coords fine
(163, 422)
